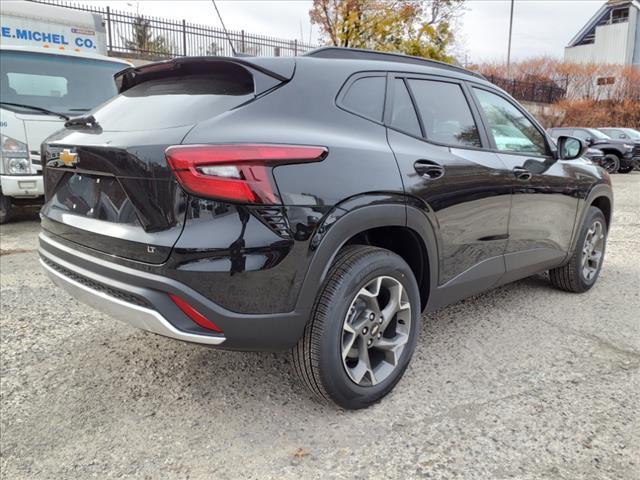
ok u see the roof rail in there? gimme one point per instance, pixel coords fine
(362, 54)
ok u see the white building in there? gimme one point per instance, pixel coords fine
(611, 36)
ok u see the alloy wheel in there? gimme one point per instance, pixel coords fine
(375, 331)
(610, 164)
(592, 250)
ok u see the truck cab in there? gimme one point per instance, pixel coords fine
(53, 66)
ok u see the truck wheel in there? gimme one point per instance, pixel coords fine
(5, 209)
(363, 328)
(582, 271)
(610, 162)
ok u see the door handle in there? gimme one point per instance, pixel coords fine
(522, 173)
(428, 169)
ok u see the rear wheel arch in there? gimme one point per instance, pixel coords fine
(404, 242)
(396, 227)
(601, 197)
(604, 205)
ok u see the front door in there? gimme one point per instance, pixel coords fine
(463, 189)
(545, 200)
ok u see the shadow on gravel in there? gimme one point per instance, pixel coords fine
(164, 375)
(24, 214)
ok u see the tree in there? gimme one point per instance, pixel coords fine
(143, 40)
(422, 28)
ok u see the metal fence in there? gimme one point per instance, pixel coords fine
(540, 92)
(153, 37)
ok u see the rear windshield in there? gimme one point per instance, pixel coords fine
(175, 100)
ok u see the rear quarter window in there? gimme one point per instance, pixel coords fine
(365, 96)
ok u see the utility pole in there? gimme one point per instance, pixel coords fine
(509, 47)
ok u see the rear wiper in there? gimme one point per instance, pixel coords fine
(82, 121)
(38, 109)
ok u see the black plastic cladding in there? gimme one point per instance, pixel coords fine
(259, 268)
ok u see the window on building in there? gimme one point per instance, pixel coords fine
(620, 15)
(606, 80)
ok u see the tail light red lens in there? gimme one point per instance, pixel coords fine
(194, 315)
(240, 173)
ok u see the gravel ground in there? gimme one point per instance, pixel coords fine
(522, 382)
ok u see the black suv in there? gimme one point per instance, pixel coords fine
(619, 155)
(318, 203)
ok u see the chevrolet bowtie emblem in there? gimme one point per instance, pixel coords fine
(68, 157)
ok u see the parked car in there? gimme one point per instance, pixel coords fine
(628, 135)
(596, 156)
(319, 203)
(619, 154)
(622, 133)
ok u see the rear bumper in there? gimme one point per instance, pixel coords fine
(141, 299)
(135, 315)
(22, 185)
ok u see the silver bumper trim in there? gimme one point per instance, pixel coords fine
(134, 315)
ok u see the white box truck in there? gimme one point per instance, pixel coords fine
(53, 66)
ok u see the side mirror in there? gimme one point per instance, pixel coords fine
(570, 148)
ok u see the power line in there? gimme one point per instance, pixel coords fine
(224, 28)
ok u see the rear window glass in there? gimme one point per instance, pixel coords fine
(446, 116)
(175, 101)
(366, 97)
(404, 115)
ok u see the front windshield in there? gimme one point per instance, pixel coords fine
(598, 134)
(64, 84)
(632, 133)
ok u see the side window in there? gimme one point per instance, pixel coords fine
(616, 133)
(511, 130)
(557, 132)
(365, 97)
(404, 115)
(581, 134)
(445, 113)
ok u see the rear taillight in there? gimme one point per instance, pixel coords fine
(240, 173)
(194, 314)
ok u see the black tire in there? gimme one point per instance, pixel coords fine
(318, 356)
(626, 169)
(611, 163)
(571, 277)
(5, 209)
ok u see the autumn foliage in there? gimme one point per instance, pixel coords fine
(423, 28)
(596, 95)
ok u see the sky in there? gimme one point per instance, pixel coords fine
(540, 27)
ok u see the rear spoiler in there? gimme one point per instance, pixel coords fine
(267, 72)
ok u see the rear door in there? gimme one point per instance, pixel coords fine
(545, 200)
(464, 189)
(108, 186)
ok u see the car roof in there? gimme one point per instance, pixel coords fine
(394, 59)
